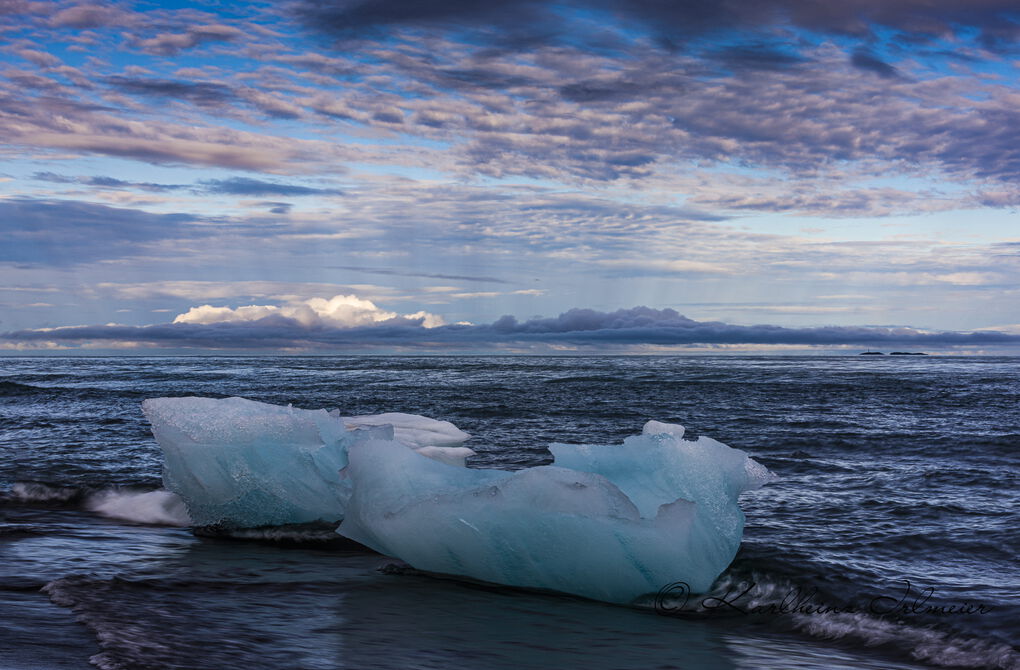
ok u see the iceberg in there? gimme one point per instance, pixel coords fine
(612, 523)
(239, 463)
(608, 522)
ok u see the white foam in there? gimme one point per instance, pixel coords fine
(924, 644)
(159, 507)
(33, 492)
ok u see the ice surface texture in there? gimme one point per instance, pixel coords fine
(611, 523)
(411, 429)
(240, 463)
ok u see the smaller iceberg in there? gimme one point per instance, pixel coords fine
(611, 523)
(238, 463)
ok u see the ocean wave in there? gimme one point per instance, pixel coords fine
(9, 388)
(922, 643)
(153, 507)
(14, 529)
(38, 492)
(159, 507)
(297, 534)
(785, 603)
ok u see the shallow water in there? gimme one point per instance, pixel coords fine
(893, 470)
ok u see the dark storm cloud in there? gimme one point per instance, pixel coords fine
(580, 327)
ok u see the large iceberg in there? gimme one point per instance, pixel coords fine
(238, 463)
(611, 523)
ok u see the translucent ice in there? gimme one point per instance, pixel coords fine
(659, 466)
(411, 429)
(241, 463)
(616, 523)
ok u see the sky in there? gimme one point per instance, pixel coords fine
(518, 177)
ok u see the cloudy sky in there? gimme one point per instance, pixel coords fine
(400, 175)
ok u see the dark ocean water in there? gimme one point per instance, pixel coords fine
(893, 471)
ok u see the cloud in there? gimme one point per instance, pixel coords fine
(209, 95)
(66, 122)
(89, 15)
(257, 187)
(340, 311)
(756, 56)
(427, 275)
(588, 100)
(170, 44)
(40, 58)
(866, 61)
(64, 232)
(349, 322)
(671, 266)
(244, 186)
(527, 22)
(197, 290)
(59, 233)
(105, 182)
(202, 93)
(759, 94)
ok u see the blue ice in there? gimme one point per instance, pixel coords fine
(611, 523)
(238, 463)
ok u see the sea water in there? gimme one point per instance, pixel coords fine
(890, 539)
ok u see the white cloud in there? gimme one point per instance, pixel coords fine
(477, 294)
(969, 278)
(214, 290)
(665, 265)
(340, 311)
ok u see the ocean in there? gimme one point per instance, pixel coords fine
(890, 540)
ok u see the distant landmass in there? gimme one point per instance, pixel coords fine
(895, 353)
